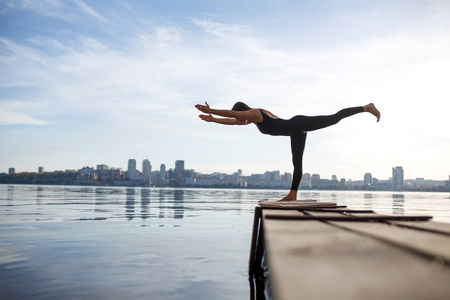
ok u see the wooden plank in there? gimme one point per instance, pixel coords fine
(443, 228)
(324, 214)
(313, 260)
(281, 212)
(366, 215)
(341, 217)
(339, 209)
(279, 205)
(287, 202)
(430, 244)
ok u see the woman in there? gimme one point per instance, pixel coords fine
(296, 128)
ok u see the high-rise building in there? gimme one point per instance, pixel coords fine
(132, 172)
(179, 166)
(368, 179)
(397, 178)
(162, 173)
(11, 171)
(276, 175)
(375, 182)
(41, 170)
(287, 177)
(102, 168)
(306, 181)
(146, 169)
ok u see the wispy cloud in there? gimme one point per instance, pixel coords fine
(15, 118)
(50, 8)
(12, 113)
(63, 10)
(220, 29)
(90, 11)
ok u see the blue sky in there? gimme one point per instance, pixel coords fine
(99, 82)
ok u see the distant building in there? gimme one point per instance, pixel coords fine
(368, 179)
(131, 171)
(102, 168)
(375, 182)
(146, 170)
(287, 177)
(315, 181)
(306, 181)
(11, 171)
(398, 181)
(41, 170)
(276, 175)
(162, 174)
(342, 183)
(179, 166)
(238, 173)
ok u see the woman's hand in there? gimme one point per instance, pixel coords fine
(207, 118)
(204, 108)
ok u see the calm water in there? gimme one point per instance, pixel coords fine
(61, 242)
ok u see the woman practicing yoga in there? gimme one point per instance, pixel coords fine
(296, 128)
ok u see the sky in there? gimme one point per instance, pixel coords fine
(99, 82)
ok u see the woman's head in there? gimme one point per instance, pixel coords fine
(240, 106)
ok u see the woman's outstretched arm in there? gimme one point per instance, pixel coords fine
(252, 115)
(224, 121)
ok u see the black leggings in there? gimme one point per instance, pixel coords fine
(298, 140)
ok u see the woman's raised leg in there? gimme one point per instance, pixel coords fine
(305, 123)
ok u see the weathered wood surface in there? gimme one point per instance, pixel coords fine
(426, 243)
(296, 204)
(437, 227)
(323, 259)
(347, 218)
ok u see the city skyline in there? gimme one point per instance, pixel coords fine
(88, 81)
(397, 173)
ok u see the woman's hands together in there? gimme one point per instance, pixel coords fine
(206, 109)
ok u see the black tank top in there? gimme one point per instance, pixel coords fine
(273, 126)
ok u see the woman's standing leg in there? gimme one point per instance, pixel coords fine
(297, 147)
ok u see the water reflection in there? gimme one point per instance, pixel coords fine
(368, 201)
(178, 204)
(129, 204)
(398, 204)
(10, 194)
(145, 201)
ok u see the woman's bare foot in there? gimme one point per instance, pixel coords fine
(373, 110)
(292, 196)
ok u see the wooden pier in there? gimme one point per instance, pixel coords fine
(317, 250)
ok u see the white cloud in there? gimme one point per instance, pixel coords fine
(63, 10)
(90, 11)
(16, 118)
(220, 29)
